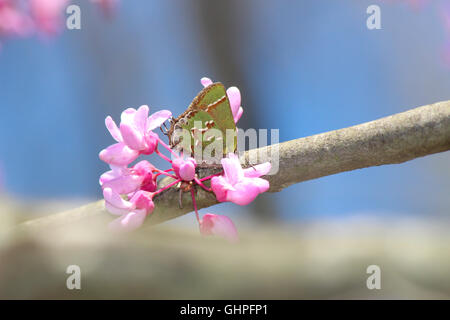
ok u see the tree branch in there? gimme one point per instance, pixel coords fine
(394, 139)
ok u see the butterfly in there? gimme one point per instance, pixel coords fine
(209, 110)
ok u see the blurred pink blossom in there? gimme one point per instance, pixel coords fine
(108, 7)
(48, 15)
(13, 20)
(24, 18)
(219, 225)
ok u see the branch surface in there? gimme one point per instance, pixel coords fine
(394, 139)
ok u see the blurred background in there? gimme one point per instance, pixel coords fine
(304, 67)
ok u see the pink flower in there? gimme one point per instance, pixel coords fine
(184, 168)
(132, 213)
(127, 180)
(219, 225)
(107, 6)
(135, 135)
(48, 14)
(13, 20)
(118, 154)
(234, 96)
(240, 186)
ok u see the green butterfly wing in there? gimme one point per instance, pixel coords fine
(209, 110)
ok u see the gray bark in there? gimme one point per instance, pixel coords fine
(394, 139)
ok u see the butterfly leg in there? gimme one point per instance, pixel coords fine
(165, 131)
(180, 198)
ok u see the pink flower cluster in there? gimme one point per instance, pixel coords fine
(22, 18)
(129, 191)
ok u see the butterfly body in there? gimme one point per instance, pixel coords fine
(210, 109)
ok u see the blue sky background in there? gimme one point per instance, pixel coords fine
(310, 67)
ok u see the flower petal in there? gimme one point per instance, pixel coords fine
(238, 115)
(132, 137)
(118, 154)
(151, 140)
(108, 176)
(125, 184)
(140, 118)
(219, 187)
(245, 192)
(143, 200)
(129, 221)
(145, 170)
(187, 172)
(234, 96)
(232, 169)
(219, 225)
(127, 116)
(258, 170)
(114, 210)
(113, 129)
(157, 119)
(206, 81)
(262, 184)
(184, 168)
(143, 167)
(114, 173)
(116, 200)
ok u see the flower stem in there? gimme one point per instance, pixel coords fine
(166, 187)
(165, 172)
(211, 176)
(162, 156)
(202, 185)
(168, 148)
